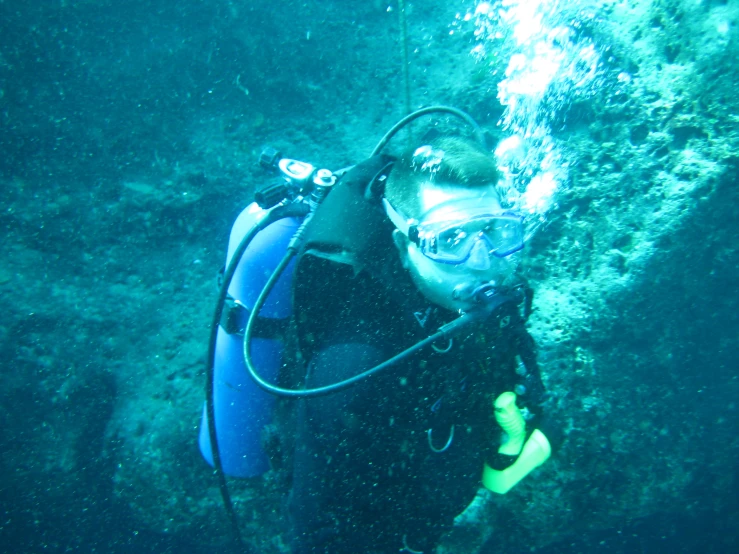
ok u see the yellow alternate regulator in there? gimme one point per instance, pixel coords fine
(531, 453)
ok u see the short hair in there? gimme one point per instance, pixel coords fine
(458, 161)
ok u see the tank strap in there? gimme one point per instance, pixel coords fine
(235, 316)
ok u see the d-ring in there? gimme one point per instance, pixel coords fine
(446, 446)
(443, 350)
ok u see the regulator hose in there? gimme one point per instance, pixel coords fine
(444, 332)
(479, 136)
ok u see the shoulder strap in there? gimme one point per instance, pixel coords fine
(348, 237)
(350, 226)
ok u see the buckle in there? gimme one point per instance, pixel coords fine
(234, 317)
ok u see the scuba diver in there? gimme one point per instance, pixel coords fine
(413, 376)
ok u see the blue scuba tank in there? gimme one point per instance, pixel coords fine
(241, 408)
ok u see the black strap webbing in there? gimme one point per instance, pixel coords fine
(235, 315)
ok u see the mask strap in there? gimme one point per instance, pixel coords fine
(402, 224)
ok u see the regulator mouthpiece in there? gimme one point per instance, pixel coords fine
(480, 294)
(463, 292)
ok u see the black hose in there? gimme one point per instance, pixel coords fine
(479, 136)
(444, 332)
(275, 214)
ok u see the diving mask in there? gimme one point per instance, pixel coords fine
(453, 232)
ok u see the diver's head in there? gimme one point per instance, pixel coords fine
(451, 232)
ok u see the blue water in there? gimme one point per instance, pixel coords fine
(129, 133)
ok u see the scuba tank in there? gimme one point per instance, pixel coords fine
(242, 409)
(258, 240)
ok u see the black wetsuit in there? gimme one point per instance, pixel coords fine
(365, 477)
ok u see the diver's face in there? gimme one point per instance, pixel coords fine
(448, 285)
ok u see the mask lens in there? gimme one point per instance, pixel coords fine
(505, 234)
(502, 236)
(455, 242)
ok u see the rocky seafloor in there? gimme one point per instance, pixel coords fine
(129, 141)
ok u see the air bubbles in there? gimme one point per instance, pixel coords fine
(426, 158)
(550, 65)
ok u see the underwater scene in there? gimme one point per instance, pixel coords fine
(439, 276)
